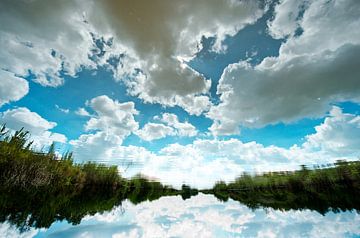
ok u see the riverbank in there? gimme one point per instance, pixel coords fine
(37, 189)
(335, 188)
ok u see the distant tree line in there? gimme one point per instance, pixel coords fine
(332, 188)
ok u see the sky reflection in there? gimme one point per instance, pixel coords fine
(201, 216)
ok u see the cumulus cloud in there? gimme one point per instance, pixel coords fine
(39, 128)
(225, 127)
(146, 45)
(17, 118)
(182, 128)
(112, 117)
(154, 131)
(168, 25)
(12, 88)
(312, 70)
(39, 41)
(170, 126)
(164, 35)
(286, 21)
(82, 112)
(339, 133)
(56, 41)
(110, 124)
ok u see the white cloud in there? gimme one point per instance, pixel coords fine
(56, 41)
(12, 88)
(132, 234)
(106, 149)
(312, 70)
(64, 110)
(339, 133)
(225, 127)
(154, 131)
(182, 128)
(187, 90)
(204, 162)
(194, 105)
(113, 118)
(82, 112)
(170, 126)
(287, 18)
(38, 127)
(23, 117)
(110, 124)
(44, 42)
(321, 31)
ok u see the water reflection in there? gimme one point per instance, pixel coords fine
(321, 201)
(200, 216)
(203, 216)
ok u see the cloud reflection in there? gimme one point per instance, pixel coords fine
(205, 216)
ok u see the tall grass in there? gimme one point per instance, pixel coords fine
(39, 188)
(22, 168)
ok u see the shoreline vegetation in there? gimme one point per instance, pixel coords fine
(335, 189)
(37, 189)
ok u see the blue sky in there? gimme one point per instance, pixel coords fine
(193, 91)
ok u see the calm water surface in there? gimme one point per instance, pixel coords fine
(199, 216)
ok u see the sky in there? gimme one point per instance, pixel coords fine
(185, 91)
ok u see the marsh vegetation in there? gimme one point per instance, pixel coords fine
(38, 189)
(334, 188)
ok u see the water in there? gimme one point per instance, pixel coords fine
(200, 216)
